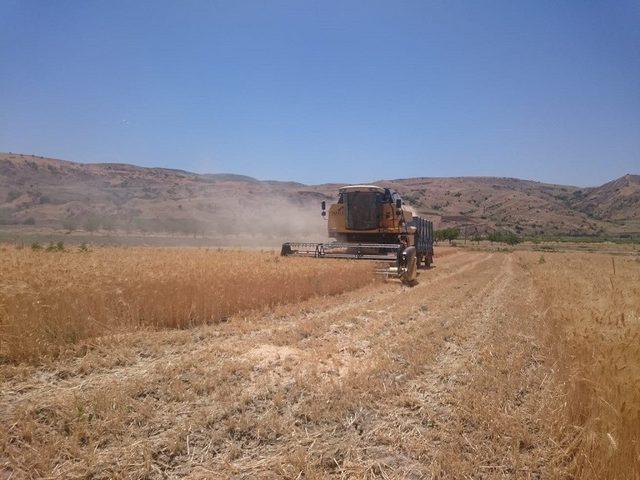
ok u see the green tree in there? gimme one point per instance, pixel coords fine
(449, 234)
(511, 238)
(494, 237)
(452, 234)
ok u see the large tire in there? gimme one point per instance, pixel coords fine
(428, 260)
(410, 264)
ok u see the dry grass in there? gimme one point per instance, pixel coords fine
(374, 383)
(593, 332)
(52, 302)
(497, 365)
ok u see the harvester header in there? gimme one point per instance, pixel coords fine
(370, 222)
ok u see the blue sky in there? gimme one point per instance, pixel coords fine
(327, 91)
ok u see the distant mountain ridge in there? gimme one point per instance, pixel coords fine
(45, 192)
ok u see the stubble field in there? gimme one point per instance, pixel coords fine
(173, 363)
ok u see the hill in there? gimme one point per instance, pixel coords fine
(618, 200)
(485, 203)
(57, 194)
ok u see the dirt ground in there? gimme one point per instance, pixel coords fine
(443, 380)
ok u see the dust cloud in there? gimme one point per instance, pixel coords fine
(271, 221)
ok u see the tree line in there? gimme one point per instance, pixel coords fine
(496, 236)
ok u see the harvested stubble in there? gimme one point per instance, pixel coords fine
(593, 332)
(50, 303)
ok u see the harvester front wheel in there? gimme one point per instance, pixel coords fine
(409, 266)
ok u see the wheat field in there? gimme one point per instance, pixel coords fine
(592, 320)
(498, 364)
(53, 303)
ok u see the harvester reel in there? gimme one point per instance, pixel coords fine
(402, 261)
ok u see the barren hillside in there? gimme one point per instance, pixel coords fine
(49, 193)
(484, 203)
(618, 200)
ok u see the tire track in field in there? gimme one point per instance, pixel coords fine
(474, 280)
(438, 386)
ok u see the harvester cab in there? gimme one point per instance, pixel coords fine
(372, 223)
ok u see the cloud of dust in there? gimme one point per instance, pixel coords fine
(277, 219)
(261, 220)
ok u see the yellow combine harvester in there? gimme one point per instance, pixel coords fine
(372, 223)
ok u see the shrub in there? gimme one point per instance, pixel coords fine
(509, 238)
(12, 195)
(55, 247)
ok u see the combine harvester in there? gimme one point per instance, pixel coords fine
(370, 223)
